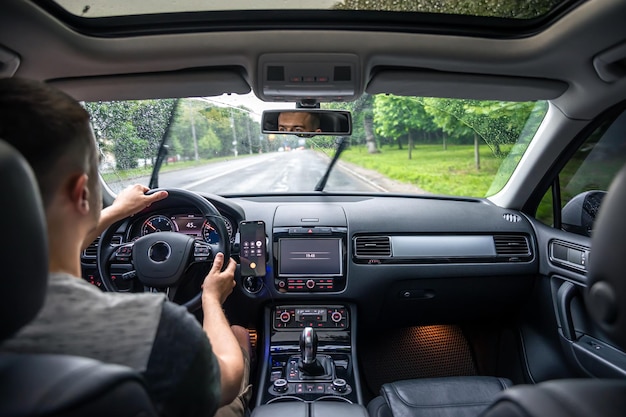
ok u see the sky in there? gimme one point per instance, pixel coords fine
(250, 101)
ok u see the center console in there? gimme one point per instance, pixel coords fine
(311, 355)
(309, 365)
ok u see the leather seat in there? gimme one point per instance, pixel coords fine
(46, 385)
(437, 397)
(605, 299)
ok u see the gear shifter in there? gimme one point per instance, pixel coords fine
(310, 364)
(308, 346)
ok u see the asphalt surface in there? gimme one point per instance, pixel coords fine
(279, 172)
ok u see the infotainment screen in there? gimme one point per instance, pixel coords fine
(302, 257)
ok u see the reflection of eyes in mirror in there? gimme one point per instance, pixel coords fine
(298, 122)
(307, 123)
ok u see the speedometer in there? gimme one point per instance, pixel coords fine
(158, 223)
(209, 232)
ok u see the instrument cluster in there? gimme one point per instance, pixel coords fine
(189, 223)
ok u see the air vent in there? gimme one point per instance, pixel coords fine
(511, 217)
(372, 247)
(92, 250)
(509, 245)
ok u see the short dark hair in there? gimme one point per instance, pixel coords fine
(48, 127)
(314, 120)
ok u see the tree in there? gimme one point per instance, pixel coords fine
(131, 130)
(520, 9)
(397, 117)
(115, 132)
(362, 121)
(494, 122)
(151, 119)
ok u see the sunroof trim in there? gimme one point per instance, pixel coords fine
(118, 8)
(402, 22)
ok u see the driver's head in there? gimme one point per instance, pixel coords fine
(53, 133)
(298, 122)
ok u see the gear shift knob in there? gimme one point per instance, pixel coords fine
(308, 345)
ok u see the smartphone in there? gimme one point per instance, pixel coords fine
(252, 248)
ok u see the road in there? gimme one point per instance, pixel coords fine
(280, 172)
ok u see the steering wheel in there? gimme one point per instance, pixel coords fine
(159, 260)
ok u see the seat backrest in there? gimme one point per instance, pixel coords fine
(606, 281)
(46, 385)
(23, 247)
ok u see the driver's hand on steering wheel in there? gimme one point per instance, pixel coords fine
(218, 284)
(133, 199)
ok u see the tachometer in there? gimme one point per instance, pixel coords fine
(158, 223)
(209, 234)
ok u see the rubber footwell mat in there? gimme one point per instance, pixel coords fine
(415, 352)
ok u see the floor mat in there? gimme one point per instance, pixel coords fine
(415, 352)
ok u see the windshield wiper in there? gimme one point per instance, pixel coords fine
(342, 143)
(163, 148)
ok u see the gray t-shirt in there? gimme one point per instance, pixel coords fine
(146, 332)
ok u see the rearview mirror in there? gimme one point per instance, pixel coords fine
(307, 122)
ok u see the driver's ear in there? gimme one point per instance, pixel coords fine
(79, 193)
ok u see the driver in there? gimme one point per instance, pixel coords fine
(298, 122)
(189, 369)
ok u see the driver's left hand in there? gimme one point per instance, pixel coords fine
(133, 199)
(128, 202)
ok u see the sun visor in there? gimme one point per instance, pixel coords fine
(189, 83)
(426, 83)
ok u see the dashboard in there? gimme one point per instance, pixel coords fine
(401, 260)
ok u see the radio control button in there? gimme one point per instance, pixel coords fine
(310, 284)
(336, 316)
(285, 317)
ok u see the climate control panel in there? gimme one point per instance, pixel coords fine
(317, 317)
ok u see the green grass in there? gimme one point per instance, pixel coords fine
(437, 171)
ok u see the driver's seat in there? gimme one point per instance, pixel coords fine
(46, 385)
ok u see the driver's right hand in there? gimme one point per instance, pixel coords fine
(218, 284)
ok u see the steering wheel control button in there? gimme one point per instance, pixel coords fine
(201, 251)
(159, 251)
(123, 253)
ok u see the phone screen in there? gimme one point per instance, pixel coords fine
(252, 248)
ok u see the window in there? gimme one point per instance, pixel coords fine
(585, 178)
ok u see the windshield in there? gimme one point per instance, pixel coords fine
(408, 145)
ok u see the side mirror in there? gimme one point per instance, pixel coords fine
(580, 212)
(307, 122)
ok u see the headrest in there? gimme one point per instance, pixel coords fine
(24, 246)
(606, 281)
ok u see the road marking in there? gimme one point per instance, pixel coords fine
(221, 174)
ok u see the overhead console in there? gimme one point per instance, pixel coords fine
(311, 77)
(309, 248)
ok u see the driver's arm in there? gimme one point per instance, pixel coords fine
(129, 201)
(216, 288)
